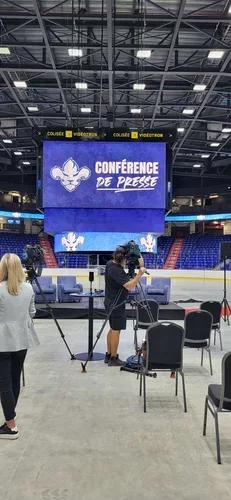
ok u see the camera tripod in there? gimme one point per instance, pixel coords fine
(32, 276)
(144, 305)
(114, 306)
(224, 303)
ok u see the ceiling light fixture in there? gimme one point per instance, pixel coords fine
(81, 85)
(214, 144)
(205, 156)
(213, 196)
(143, 53)
(4, 51)
(26, 162)
(135, 110)
(32, 108)
(188, 111)
(226, 130)
(20, 84)
(7, 141)
(180, 129)
(85, 110)
(197, 165)
(17, 153)
(75, 52)
(198, 87)
(139, 86)
(215, 54)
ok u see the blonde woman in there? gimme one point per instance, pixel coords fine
(17, 309)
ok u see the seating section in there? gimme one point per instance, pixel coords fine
(71, 260)
(201, 252)
(153, 261)
(198, 252)
(14, 243)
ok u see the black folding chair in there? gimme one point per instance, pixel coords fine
(218, 399)
(165, 342)
(147, 313)
(198, 327)
(214, 308)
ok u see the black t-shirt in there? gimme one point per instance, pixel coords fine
(115, 278)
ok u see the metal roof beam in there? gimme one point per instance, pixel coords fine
(206, 97)
(134, 101)
(16, 98)
(120, 19)
(119, 45)
(110, 52)
(159, 118)
(188, 71)
(45, 37)
(169, 57)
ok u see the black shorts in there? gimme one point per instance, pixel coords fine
(117, 319)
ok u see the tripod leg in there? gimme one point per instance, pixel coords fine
(49, 308)
(146, 304)
(229, 310)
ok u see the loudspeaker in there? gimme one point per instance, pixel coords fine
(225, 250)
(91, 276)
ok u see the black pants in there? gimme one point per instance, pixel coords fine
(11, 364)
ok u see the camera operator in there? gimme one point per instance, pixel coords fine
(115, 278)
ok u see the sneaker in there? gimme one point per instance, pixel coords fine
(107, 357)
(115, 361)
(3, 425)
(7, 433)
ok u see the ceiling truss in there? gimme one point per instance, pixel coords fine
(109, 33)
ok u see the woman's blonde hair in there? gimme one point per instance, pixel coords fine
(12, 272)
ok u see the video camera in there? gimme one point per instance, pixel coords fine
(133, 256)
(33, 259)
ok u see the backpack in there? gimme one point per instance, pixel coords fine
(133, 362)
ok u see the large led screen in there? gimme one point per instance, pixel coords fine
(104, 175)
(96, 242)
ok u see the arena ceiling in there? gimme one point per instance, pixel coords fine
(180, 36)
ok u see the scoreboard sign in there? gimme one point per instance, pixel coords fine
(72, 134)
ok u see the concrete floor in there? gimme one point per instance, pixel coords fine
(86, 436)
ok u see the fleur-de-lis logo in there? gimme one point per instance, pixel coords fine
(70, 175)
(148, 242)
(71, 241)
